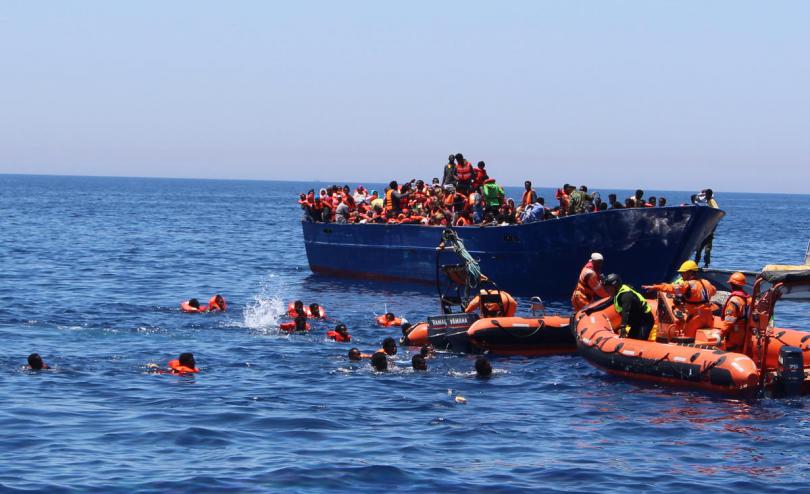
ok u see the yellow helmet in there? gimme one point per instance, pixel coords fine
(688, 266)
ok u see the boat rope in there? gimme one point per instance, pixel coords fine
(474, 275)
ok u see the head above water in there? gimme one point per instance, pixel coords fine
(426, 350)
(354, 354)
(379, 361)
(187, 360)
(315, 309)
(35, 362)
(389, 316)
(298, 305)
(389, 346)
(419, 363)
(194, 303)
(482, 367)
(342, 329)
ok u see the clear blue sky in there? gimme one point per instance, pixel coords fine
(663, 95)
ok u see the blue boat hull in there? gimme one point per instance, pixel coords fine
(642, 245)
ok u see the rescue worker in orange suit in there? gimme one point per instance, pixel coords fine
(507, 307)
(464, 174)
(693, 295)
(637, 318)
(735, 314)
(529, 195)
(589, 287)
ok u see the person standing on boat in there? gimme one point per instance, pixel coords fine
(480, 175)
(493, 195)
(464, 174)
(705, 247)
(637, 317)
(449, 175)
(589, 287)
(529, 195)
(693, 295)
(393, 198)
(735, 314)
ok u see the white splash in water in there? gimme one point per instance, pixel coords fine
(263, 312)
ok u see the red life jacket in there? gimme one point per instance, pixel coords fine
(464, 172)
(338, 337)
(175, 367)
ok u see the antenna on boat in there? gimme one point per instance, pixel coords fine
(538, 308)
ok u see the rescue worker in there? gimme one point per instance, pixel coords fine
(705, 247)
(637, 317)
(464, 174)
(529, 195)
(506, 308)
(589, 287)
(693, 294)
(735, 314)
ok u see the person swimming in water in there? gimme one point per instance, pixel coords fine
(355, 355)
(340, 334)
(315, 311)
(185, 364)
(379, 361)
(389, 346)
(419, 363)
(482, 367)
(35, 362)
(427, 351)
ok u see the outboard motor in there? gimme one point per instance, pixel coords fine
(791, 370)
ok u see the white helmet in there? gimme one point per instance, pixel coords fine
(597, 257)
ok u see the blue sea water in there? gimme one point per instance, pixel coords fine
(93, 270)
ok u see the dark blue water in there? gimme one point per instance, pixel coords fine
(93, 270)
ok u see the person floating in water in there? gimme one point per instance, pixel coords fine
(419, 363)
(355, 355)
(379, 361)
(389, 347)
(217, 303)
(185, 364)
(340, 334)
(35, 362)
(482, 367)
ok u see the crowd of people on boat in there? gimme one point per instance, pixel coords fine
(465, 195)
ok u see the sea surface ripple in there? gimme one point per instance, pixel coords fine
(93, 271)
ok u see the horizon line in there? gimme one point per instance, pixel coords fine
(344, 181)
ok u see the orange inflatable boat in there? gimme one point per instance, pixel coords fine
(772, 359)
(532, 337)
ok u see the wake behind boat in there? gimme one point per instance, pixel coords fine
(645, 244)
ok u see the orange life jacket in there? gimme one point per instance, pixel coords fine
(338, 337)
(464, 172)
(290, 326)
(462, 221)
(213, 305)
(382, 321)
(589, 283)
(698, 291)
(389, 201)
(185, 307)
(735, 319)
(174, 366)
(528, 197)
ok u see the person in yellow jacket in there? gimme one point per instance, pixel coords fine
(693, 295)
